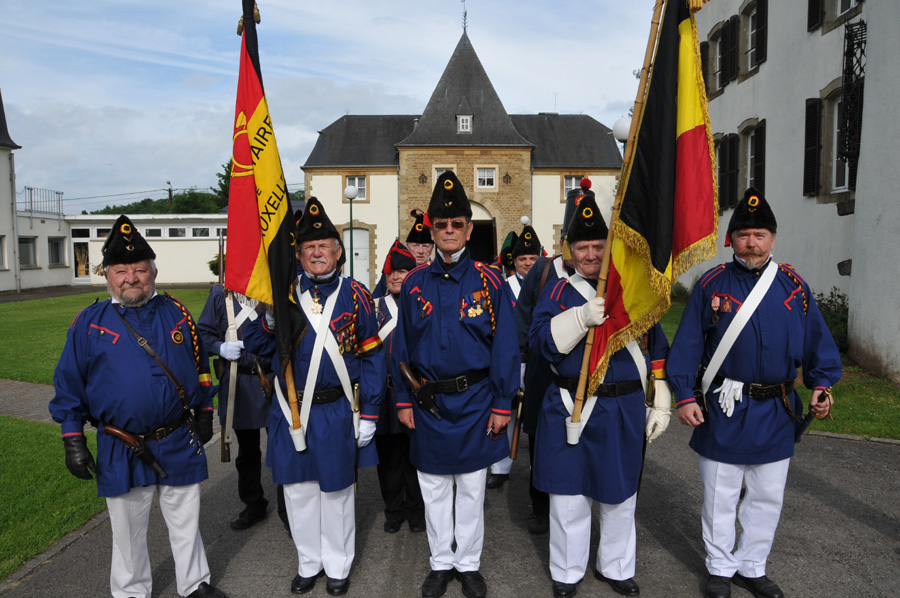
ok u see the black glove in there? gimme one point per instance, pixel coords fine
(79, 459)
(204, 424)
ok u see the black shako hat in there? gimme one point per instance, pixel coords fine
(448, 200)
(419, 233)
(315, 225)
(753, 211)
(587, 223)
(398, 258)
(527, 243)
(125, 245)
(572, 199)
(506, 250)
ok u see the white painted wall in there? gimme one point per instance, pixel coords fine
(875, 286)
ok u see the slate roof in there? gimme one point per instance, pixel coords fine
(360, 141)
(5, 140)
(464, 88)
(568, 141)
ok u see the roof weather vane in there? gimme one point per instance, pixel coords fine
(464, 15)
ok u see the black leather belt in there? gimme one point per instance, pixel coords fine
(320, 397)
(613, 389)
(458, 384)
(762, 391)
(163, 432)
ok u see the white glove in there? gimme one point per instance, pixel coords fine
(270, 320)
(592, 312)
(658, 416)
(231, 350)
(731, 392)
(366, 432)
(522, 377)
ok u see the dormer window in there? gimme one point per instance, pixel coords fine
(464, 123)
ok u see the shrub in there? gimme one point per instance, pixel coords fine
(836, 310)
(680, 293)
(214, 265)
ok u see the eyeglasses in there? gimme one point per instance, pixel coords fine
(442, 224)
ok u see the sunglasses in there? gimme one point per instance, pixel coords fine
(442, 224)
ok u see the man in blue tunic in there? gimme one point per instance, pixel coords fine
(135, 368)
(522, 256)
(396, 474)
(748, 325)
(457, 336)
(251, 409)
(335, 361)
(605, 463)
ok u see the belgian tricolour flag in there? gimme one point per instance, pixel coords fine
(260, 260)
(668, 218)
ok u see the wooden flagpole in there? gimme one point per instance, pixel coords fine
(626, 165)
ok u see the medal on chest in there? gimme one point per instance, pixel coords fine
(317, 304)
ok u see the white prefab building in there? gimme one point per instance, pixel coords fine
(785, 82)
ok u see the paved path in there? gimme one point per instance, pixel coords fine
(839, 535)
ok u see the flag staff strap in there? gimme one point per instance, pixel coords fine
(626, 167)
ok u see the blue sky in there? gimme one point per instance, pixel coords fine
(115, 97)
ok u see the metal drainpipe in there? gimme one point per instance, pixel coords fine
(15, 221)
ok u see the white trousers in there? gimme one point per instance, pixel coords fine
(570, 538)
(759, 514)
(440, 510)
(323, 525)
(129, 516)
(504, 465)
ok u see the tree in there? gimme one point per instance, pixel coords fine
(224, 184)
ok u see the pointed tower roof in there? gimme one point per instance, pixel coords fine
(465, 89)
(5, 140)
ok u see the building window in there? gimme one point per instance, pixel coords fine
(756, 27)
(56, 251)
(102, 233)
(724, 52)
(571, 182)
(177, 233)
(755, 155)
(439, 170)
(360, 183)
(487, 178)
(812, 145)
(2, 252)
(464, 123)
(845, 5)
(729, 167)
(28, 252)
(153, 232)
(841, 167)
(200, 232)
(81, 233)
(222, 232)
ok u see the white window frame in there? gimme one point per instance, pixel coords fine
(850, 5)
(102, 233)
(183, 234)
(750, 140)
(360, 183)
(60, 243)
(751, 39)
(32, 242)
(485, 177)
(3, 252)
(222, 231)
(840, 168)
(570, 181)
(464, 123)
(197, 232)
(153, 233)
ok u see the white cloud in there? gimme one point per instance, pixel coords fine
(122, 95)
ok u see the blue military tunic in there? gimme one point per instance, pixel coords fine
(785, 332)
(388, 422)
(104, 374)
(331, 454)
(606, 463)
(455, 322)
(251, 411)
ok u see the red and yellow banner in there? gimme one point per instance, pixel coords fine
(668, 218)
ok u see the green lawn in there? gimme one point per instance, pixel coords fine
(39, 331)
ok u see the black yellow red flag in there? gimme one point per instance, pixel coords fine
(260, 261)
(668, 218)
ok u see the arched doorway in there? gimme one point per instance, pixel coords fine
(483, 242)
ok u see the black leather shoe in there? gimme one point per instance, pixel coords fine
(495, 480)
(538, 524)
(718, 587)
(473, 585)
(564, 590)
(417, 526)
(436, 583)
(761, 587)
(337, 587)
(206, 590)
(392, 526)
(625, 587)
(302, 585)
(247, 518)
